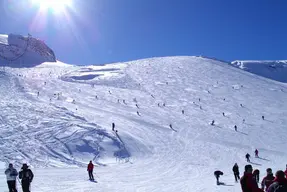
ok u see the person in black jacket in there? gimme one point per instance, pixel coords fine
(247, 157)
(217, 175)
(235, 170)
(27, 177)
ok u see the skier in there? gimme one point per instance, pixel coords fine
(247, 157)
(113, 126)
(11, 174)
(182, 111)
(243, 121)
(248, 183)
(241, 105)
(256, 153)
(223, 114)
(256, 174)
(212, 123)
(279, 183)
(235, 127)
(90, 170)
(27, 177)
(235, 170)
(217, 175)
(263, 117)
(268, 179)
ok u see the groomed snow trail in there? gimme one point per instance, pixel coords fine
(69, 123)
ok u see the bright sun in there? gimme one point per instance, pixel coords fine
(55, 5)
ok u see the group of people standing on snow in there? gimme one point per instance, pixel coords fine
(250, 178)
(25, 174)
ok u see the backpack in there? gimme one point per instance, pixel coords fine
(281, 188)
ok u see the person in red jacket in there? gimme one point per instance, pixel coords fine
(279, 184)
(256, 153)
(248, 183)
(268, 179)
(90, 170)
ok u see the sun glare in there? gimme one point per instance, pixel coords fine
(54, 5)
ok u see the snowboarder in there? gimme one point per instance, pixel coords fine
(268, 179)
(248, 183)
(247, 156)
(11, 174)
(256, 153)
(217, 175)
(27, 177)
(212, 122)
(113, 126)
(90, 170)
(263, 117)
(235, 127)
(235, 170)
(256, 174)
(279, 183)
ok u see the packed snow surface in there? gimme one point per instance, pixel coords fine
(57, 117)
(276, 70)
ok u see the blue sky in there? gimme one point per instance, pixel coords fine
(105, 31)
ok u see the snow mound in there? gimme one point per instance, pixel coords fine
(276, 70)
(20, 51)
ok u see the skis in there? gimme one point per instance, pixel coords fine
(93, 181)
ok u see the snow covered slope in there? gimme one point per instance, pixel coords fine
(17, 50)
(276, 70)
(57, 116)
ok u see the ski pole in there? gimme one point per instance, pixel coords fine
(19, 181)
(97, 175)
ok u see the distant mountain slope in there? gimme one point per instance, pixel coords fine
(276, 70)
(20, 51)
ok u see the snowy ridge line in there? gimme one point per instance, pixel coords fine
(17, 57)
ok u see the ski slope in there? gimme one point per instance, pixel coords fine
(57, 117)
